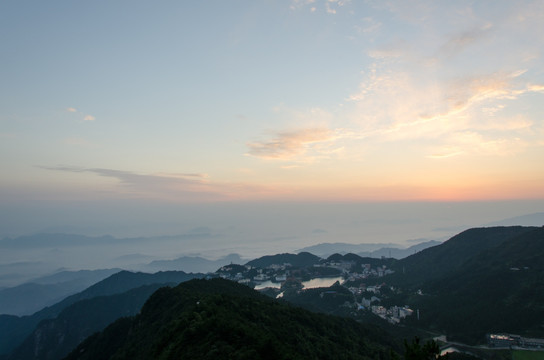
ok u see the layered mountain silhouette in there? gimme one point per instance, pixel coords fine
(195, 264)
(14, 329)
(479, 281)
(55, 338)
(370, 250)
(45, 291)
(220, 319)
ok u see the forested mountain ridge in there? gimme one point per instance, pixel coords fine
(54, 338)
(481, 280)
(14, 329)
(370, 250)
(500, 288)
(438, 261)
(302, 259)
(359, 260)
(220, 319)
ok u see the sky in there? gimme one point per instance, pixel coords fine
(110, 105)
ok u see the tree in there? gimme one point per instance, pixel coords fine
(414, 351)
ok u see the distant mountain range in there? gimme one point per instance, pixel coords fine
(49, 240)
(536, 219)
(54, 338)
(481, 280)
(191, 264)
(57, 249)
(369, 250)
(302, 259)
(37, 293)
(30, 297)
(14, 329)
(52, 240)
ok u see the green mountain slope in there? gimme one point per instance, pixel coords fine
(358, 260)
(500, 289)
(219, 319)
(13, 329)
(438, 261)
(55, 338)
(302, 259)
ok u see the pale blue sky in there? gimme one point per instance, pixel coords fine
(325, 100)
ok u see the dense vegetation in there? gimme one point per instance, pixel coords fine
(498, 289)
(303, 259)
(482, 280)
(219, 319)
(14, 329)
(329, 300)
(55, 338)
(360, 260)
(438, 261)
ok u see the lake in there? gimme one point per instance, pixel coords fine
(321, 282)
(310, 284)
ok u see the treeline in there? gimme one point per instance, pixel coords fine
(219, 319)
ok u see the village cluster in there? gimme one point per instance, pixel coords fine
(351, 275)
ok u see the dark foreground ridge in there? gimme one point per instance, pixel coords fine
(498, 290)
(220, 319)
(14, 330)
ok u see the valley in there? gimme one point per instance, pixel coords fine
(482, 281)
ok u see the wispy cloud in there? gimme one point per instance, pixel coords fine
(330, 6)
(445, 155)
(368, 25)
(288, 144)
(456, 43)
(477, 144)
(134, 179)
(415, 90)
(392, 50)
(416, 12)
(297, 4)
(466, 92)
(151, 185)
(460, 103)
(86, 117)
(464, 114)
(174, 187)
(396, 103)
(536, 88)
